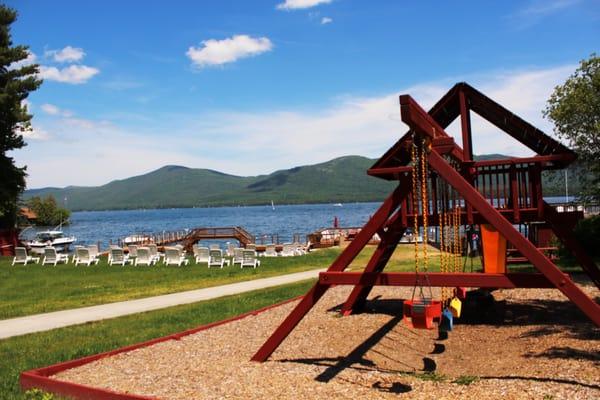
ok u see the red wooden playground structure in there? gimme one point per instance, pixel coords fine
(439, 184)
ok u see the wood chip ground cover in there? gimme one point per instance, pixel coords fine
(530, 344)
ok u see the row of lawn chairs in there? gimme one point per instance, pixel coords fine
(175, 255)
(214, 257)
(287, 250)
(143, 255)
(83, 255)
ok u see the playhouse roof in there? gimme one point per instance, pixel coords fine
(447, 109)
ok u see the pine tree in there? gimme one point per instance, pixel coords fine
(16, 81)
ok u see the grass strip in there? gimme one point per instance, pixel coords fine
(46, 348)
(34, 289)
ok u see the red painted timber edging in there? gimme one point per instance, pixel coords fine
(41, 378)
(438, 279)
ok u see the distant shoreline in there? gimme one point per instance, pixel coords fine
(553, 198)
(268, 205)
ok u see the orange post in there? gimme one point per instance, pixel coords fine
(494, 250)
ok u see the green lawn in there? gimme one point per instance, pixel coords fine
(42, 349)
(34, 288)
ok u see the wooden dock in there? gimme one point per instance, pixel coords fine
(189, 237)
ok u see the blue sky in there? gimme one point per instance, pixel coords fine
(249, 87)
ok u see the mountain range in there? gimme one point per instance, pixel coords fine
(340, 180)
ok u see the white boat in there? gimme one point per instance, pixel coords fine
(137, 239)
(338, 205)
(54, 238)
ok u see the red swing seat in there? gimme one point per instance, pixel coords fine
(422, 312)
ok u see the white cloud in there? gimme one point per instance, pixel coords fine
(536, 10)
(35, 133)
(300, 4)
(218, 52)
(367, 126)
(51, 109)
(30, 59)
(542, 8)
(73, 74)
(326, 20)
(237, 142)
(67, 54)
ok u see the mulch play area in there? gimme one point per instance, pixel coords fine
(529, 344)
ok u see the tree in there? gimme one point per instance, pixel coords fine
(574, 108)
(47, 211)
(16, 81)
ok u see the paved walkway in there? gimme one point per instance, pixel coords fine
(58, 319)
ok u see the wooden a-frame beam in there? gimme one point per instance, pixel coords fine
(506, 229)
(377, 221)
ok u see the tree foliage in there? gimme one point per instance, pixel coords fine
(574, 108)
(48, 212)
(16, 81)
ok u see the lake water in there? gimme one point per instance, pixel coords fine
(285, 220)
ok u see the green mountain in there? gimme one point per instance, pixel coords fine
(342, 180)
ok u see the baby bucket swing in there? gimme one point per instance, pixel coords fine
(422, 311)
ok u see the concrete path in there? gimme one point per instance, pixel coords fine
(58, 319)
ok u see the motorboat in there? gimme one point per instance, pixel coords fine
(137, 238)
(54, 238)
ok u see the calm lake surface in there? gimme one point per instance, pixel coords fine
(285, 220)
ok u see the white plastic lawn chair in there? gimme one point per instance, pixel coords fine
(238, 255)
(288, 250)
(270, 251)
(249, 259)
(299, 249)
(52, 257)
(230, 249)
(173, 256)
(94, 252)
(201, 254)
(21, 257)
(144, 257)
(154, 252)
(132, 252)
(118, 257)
(216, 259)
(74, 259)
(83, 256)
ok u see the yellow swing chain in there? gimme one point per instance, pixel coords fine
(442, 250)
(457, 254)
(415, 202)
(424, 204)
(420, 194)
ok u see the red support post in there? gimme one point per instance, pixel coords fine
(514, 194)
(377, 263)
(341, 263)
(565, 235)
(527, 249)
